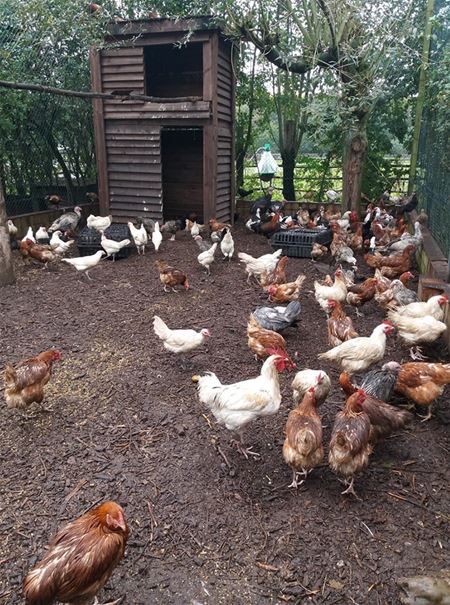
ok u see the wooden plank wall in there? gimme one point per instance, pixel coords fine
(225, 151)
(134, 168)
(132, 145)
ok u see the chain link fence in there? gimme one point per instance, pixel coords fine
(433, 175)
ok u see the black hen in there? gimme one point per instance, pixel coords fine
(325, 237)
(408, 205)
(380, 383)
(278, 318)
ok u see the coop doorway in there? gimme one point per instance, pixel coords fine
(182, 172)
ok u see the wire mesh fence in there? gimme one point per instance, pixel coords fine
(46, 141)
(433, 176)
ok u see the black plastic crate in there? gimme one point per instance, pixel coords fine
(89, 240)
(295, 242)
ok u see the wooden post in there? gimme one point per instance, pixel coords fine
(6, 265)
(421, 95)
(99, 130)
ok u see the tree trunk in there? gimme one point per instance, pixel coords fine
(355, 148)
(289, 156)
(240, 167)
(6, 266)
(288, 175)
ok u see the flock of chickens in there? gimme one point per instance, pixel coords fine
(81, 557)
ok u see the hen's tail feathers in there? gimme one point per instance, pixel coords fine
(206, 388)
(305, 442)
(9, 376)
(292, 310)
(160, 328)
(245, 258)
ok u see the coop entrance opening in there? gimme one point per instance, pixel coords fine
(182, 172)
(172, 71)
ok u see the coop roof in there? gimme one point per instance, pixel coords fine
(160, 25)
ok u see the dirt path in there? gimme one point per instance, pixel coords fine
(208, 527)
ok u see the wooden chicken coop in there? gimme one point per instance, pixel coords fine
(172, 154)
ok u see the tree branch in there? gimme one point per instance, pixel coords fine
(93, 95)
(325, 59)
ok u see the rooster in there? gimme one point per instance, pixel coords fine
(24, 383)
(263, 264)
(266, 342)
(360, 353)
(302, 448)
(80, 559)
(423, 383)
(350, 446)
(214, 225)
(169, 276)
(305, 379)
(235, 405)
(340, 326)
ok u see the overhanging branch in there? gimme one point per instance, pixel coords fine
(325, 59)
(125, 96)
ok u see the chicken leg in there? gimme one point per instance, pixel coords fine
(245, 451)
(416, 354)
(295, 483)
(96, 602)
(350, 489)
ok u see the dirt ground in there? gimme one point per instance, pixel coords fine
(126, 424)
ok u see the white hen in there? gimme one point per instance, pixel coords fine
(306, 379)
(111, 247)
(59, 246)
(157, 237)
(179, 341)
(85, 263)
(206, 258)
(360, 353)
(227, 245)
(99, 223)
(42, 236)
(235, 405)
(12, 229)
(139, 236)
(338, 291)
(434, 306)
(29, 235)
(417, 330)
(263, 264)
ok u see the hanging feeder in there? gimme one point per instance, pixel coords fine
(267, 165)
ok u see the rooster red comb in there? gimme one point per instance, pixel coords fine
(388, 323)
(311, 390)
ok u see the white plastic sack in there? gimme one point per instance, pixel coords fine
(267, 163)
